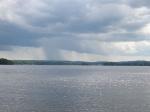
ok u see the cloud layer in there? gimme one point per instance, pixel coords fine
(88, 30)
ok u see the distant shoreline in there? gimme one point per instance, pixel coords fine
(4, 61)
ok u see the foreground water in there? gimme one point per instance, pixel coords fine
(74, 89)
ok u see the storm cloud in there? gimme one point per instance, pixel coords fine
(89, 30)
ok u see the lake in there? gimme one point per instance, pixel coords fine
(74, 89)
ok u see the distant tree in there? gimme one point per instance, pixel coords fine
(4, 61)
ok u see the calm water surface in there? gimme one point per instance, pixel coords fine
(74, 89)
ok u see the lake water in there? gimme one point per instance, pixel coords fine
(74, 89)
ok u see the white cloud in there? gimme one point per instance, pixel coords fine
(145, 30)
(75, 56)
(26, 53)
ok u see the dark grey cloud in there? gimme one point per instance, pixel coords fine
(139, 3)
(12, 35)
(132, 3)
(67, 24)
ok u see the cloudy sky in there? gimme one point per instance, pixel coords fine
(87, 30)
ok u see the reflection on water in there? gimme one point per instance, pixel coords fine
(74, 89)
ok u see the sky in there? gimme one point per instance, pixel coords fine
(75, 30)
